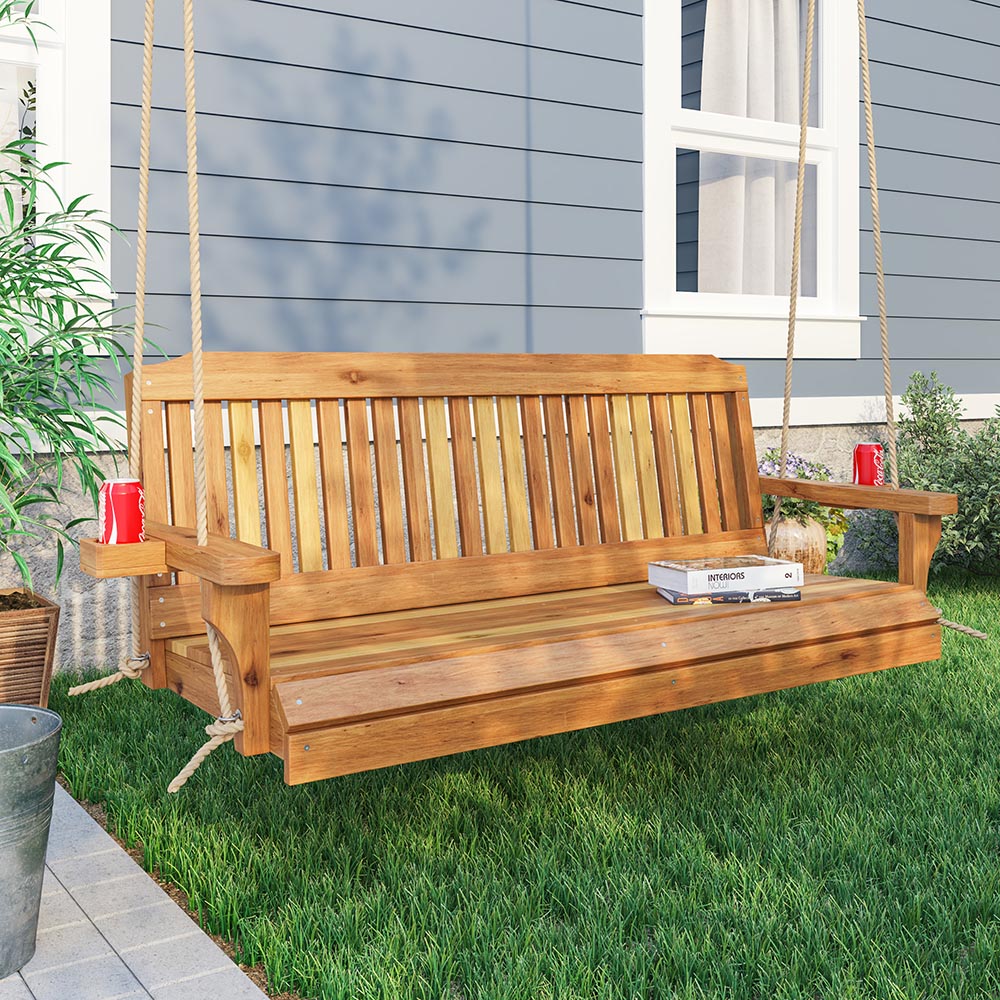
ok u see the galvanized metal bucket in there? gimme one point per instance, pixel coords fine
(29, 746)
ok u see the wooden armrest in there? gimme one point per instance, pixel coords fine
(224, 561)
(864, 497)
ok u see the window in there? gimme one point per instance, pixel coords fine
(61, 91)
(723, 81)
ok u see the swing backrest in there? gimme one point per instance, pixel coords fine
(559, 471)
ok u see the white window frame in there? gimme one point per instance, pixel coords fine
(753, 326)
(73, 64)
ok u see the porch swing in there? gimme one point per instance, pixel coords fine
(495, 590)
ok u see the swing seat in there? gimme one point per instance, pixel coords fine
(482, 580)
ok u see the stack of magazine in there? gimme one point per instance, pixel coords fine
(727, 580)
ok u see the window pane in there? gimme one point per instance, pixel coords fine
(17, 121)
(744, 58)
(735, 219)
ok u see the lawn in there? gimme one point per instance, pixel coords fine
(838, 841)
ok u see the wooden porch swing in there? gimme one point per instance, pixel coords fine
(494, 589)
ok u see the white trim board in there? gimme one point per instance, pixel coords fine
(824, 411)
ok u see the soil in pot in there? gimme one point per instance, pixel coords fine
(19, 600)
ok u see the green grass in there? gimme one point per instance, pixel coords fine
(837, 841)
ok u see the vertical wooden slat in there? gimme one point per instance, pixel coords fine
(628, 495)
(513, 474)
(583, 476)
(687, 475)
(154, 476)
(274, 472)
(645, 466)
(747, 477)
(490, 480)
(215, 463)
(439, 467)
(331, 471)
(537, 470)
(562, 486)
(180, 458)
(243, 454)
(466, 491)
(359, 464)
(414, 480)
(300, 443)
(666, 472)
(708, 485)
(604, 468)
(722, 447)
(390, 500)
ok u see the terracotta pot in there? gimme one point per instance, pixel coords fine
(804, 543)
(27, 648)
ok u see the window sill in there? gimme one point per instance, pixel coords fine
(761, 336)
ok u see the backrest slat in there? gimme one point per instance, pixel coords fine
(243, 454)
(722, 450)
(583, 476)
(604, 468)
(708, 488)
(180, 461)
(562, 486)
(466, 489)
(411, 443)
(687, 475)
(215, 467)
(439, 469)
(302, 449)
(490, 481)
(513, 474)
(747, 476)
(359, 463)
(331, 465)
(666, 469)
(274, 472)
(537, 472)
(154, 477)
(645, 466)
(628, 496)
(390, 505)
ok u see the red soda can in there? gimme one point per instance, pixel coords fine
(121, 512)
(869, 464)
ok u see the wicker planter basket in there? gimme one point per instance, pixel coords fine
(27, 648)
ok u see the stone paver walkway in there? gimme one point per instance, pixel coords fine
(107, 931)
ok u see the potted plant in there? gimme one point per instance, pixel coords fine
(56, 336)
(806, 531)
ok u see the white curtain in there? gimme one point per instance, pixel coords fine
(751, 68)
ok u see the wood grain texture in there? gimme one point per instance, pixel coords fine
(704, 461)
(303, 456)
(215, 469)
(106, 562)
(222, 560)
(628, 495)
(645, 466)
(585, 492)
(518, 522)
(666, 469)
(180, 461)
(270, 375)
(919, 535)
(333, 484)
(556, 443)
(359, 464)
(466, 488)
(390, 499)
(687, 472)
(490, 479)
(862, 497)
(274, 473)
(154, 476)
(418, 524)
(745, 460)
(604, 468)
(243, 455)
(537, 471)
(722, 452)
(439, 472)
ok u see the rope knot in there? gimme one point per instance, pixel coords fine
(125, 670)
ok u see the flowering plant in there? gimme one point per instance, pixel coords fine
(797, 467)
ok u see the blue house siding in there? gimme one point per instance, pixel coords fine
(935, 78)
(376, 175)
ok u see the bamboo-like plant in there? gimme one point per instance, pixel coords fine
(59, 342)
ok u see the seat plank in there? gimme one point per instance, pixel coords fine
(518, 523)
(418, 523)
(390, 500)
(302, 449)
(439, 470)
(334, 487)
(243, 453)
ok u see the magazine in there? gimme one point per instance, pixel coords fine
(742, 573)
(774, 596)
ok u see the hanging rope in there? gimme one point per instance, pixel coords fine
(228, 724)
(793, 294)
(133, 665)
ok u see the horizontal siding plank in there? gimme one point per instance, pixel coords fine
(936, 257)
(941, 135)
(934, 51)
(929, 215)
